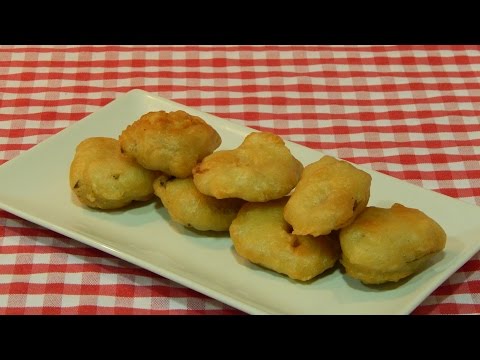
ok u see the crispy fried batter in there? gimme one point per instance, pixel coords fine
(102, 177)
(188, 206)
(260, 169)
(170, 142)
(261, 235)
(389, 244)
(329, 195)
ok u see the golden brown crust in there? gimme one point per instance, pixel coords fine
(260, 169)
(102, 177)
(389, 244)
(189, 207)
(171, 142)
(261, 235)
(329, 195)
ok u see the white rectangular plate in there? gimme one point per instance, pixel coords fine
(35, 187)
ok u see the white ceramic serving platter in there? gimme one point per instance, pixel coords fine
(34, 186)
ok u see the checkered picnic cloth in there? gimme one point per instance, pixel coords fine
(408, 111)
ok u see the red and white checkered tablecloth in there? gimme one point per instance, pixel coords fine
(408, 111)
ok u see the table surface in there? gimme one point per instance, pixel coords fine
(407, 111)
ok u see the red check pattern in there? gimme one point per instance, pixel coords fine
(408, 111)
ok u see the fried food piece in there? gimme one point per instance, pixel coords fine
(329, 195)
(389, 244)
(188, 206)
(102, 177)
(261, 235)
(260, 169)
(170, 142)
